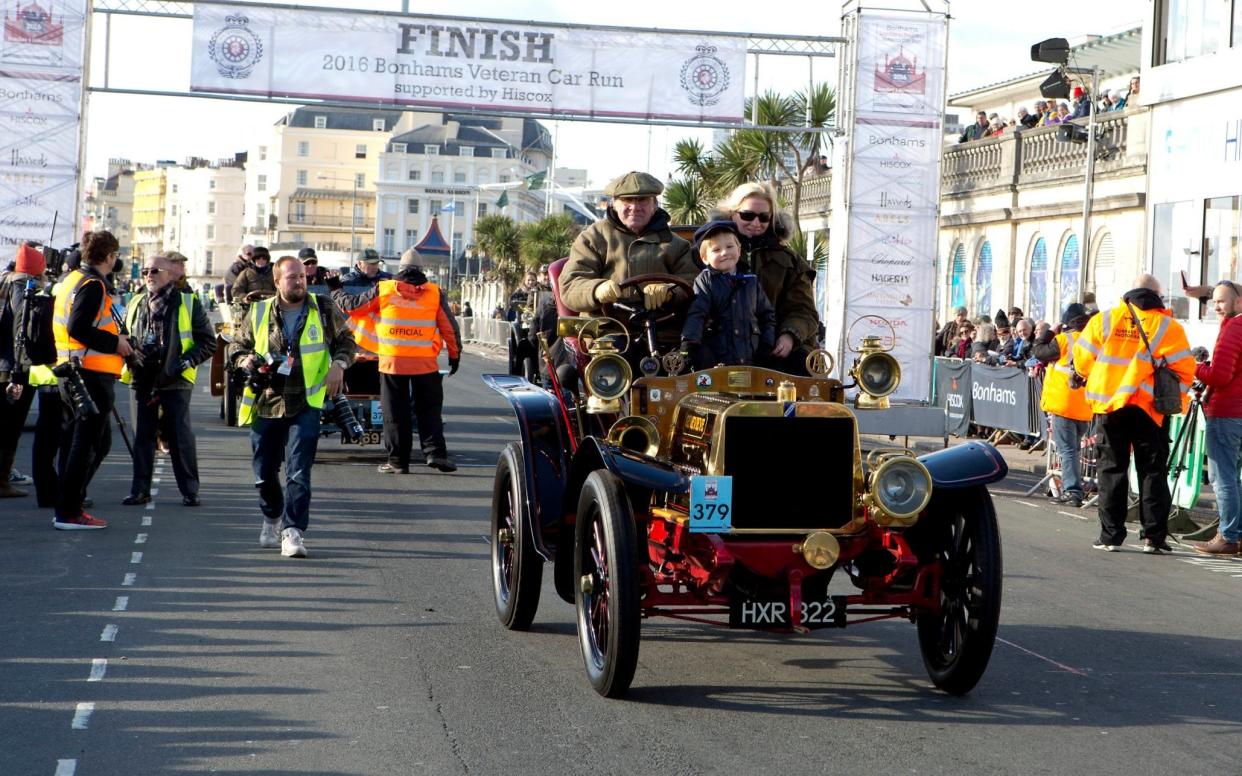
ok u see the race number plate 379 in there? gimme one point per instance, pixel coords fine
(711, 504)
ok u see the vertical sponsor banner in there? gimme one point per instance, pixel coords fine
(893, 81)
(41, 57)
(953, 393)
(1001, 397)
(456, 64)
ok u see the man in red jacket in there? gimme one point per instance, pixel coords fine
(1224, 418)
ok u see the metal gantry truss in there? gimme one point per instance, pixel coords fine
(808, 46)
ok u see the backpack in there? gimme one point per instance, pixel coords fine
(35, 312)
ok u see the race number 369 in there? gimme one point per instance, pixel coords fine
(711, 504)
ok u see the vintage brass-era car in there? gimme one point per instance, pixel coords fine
(736, 496)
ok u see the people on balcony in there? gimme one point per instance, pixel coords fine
(977, 130)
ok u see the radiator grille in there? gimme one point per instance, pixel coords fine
(790, 472)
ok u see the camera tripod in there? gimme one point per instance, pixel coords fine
(1179, 451)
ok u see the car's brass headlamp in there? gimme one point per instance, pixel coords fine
(607, 378)
(877, 373)
(899, 487)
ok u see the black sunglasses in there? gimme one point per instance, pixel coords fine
(747, 215)
(151, 271)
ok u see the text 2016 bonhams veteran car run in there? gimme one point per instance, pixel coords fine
(449, 63)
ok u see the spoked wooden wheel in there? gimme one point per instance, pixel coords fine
(517, 569)
(606, 567)
(957, 641)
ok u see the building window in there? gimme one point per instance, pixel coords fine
(299, 213)
(208, 257)
(1175, 249)
(356, 243)
(983, 280)
(302, 177)
(500, 153)
(211, 208)
(437, 176)
(321, 122)
(416, 175)
(957, 283)
(360, 151)
(459, 176)
(360, 214)
(303, 148)
(1104, 274)
(174, 188)
(483, 211)
(458, 207)
(211, 231)
(1194, 28)
(173, 210)
(360, 179)
(1037, 281)
(377, 125)
(398, 148)
(411, 238)
(504, 178)
(411, 206)
(464, 151)
(262, 153)
(435, 207)
(261, 210)
(211, 184)
(262, 184)
(431, 150)
(1069, 272)
(457, 242)
(390, 239)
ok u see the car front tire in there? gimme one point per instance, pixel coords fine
(517, 569)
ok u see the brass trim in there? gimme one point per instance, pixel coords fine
(881, 515)
(640, 423)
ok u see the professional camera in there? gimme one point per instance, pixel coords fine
(260, 377)
(342, 413)
(71, 378)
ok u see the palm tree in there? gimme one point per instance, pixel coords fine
(546, 240)
(688, 200)
(497, 236)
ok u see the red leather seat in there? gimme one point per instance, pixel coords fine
(554, 279)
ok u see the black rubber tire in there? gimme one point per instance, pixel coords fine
(517, 569)
(608, 616)
(957, 642)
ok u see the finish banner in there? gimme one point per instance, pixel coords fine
(467, 64)
(41, 111)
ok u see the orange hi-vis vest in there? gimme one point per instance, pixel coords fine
(1058, 397)
(1120, 372)
(66, 346)
(404, 331)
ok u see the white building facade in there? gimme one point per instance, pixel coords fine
(203, 216)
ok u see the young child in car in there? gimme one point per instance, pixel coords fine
(730, 320)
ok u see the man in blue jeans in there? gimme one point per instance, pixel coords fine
(1223, 408)
(296, 346)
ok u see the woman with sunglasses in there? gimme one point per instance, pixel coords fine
(785, 277)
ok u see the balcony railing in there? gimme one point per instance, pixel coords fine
(1033, 157)
(816, 195)
(314, 220)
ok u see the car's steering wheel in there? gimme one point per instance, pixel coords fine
(642, 280)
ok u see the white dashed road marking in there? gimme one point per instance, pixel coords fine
(109, 633)
(98, 667)
(82, 715)
(155, 492)
(66, 767)
(140, 539)
(135, 557)
(146, 519)
(150, 505)
(129, 580)
(122, 603)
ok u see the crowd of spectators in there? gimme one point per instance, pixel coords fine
(1049, 113)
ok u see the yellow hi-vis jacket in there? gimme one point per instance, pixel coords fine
(1119, 371)
(1058, 397)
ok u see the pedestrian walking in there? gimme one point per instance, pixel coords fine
(412, 324)
(91, 351)
(1116, 356)
(1065, 403)
(295, 347)
(173, 336)
(1223, 406)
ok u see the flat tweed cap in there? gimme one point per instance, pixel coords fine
(635, 184)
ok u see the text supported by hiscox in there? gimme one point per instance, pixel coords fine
(454, 63)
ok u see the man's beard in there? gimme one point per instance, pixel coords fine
(294, 295)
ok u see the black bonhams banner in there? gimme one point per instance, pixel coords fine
(953, 393)
(1000, 397)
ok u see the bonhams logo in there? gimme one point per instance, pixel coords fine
(235, 48)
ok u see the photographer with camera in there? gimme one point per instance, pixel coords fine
(17, 289)
(90, 351)
(173, 336)
(1064, 400)
(412, 326)
(294, 348)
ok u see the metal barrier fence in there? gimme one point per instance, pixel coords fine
(999, 397)
(488, 331)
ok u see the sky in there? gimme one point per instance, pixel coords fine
(988, 41)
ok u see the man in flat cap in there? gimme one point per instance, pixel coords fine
(633, 239)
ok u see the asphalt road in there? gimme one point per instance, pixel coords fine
(170, 643)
